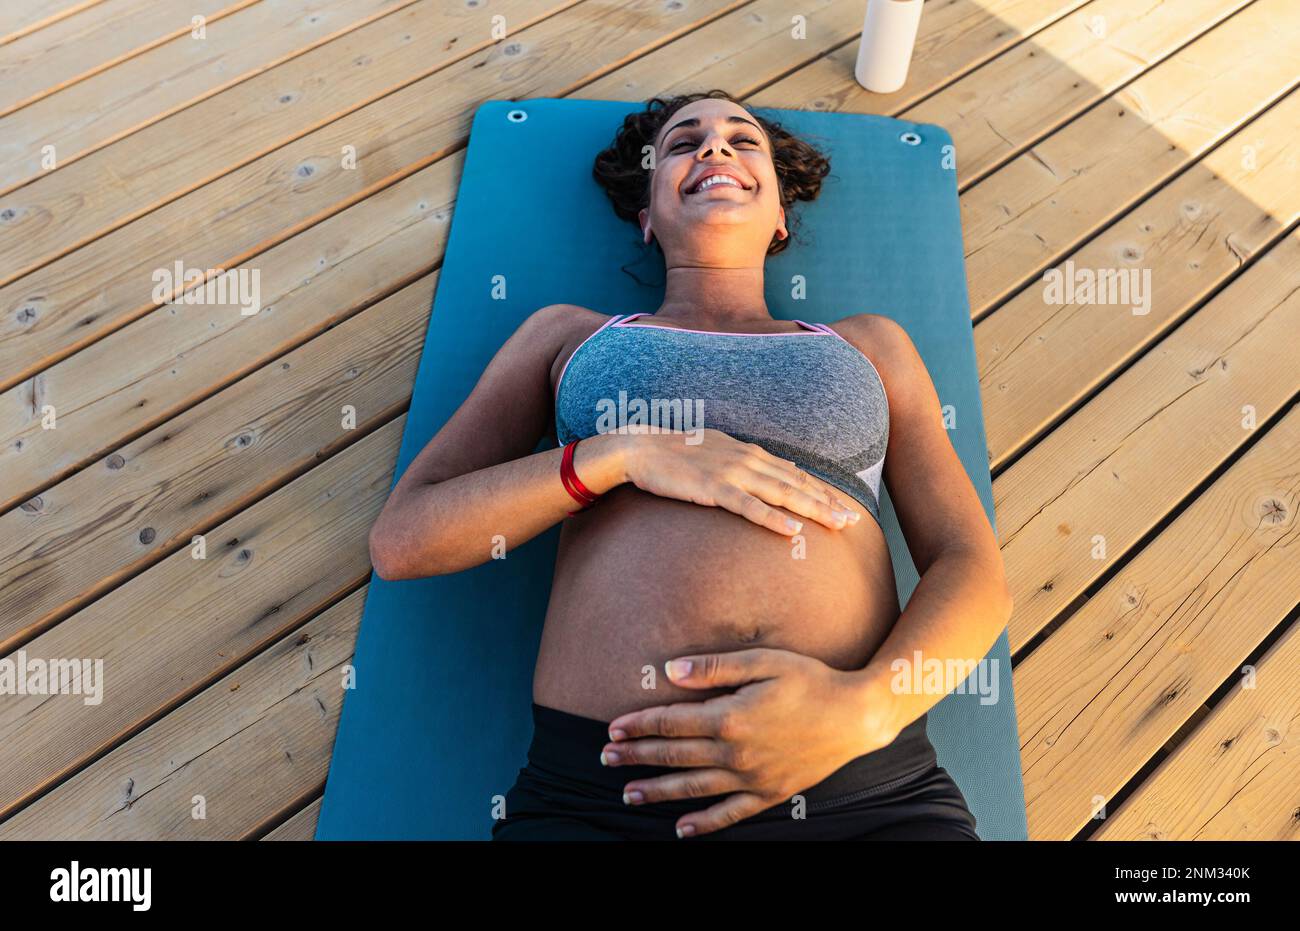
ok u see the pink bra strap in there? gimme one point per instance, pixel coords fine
(815, 327)
(825, 328)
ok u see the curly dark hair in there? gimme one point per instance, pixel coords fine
(800, 168)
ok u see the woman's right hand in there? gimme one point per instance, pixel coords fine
(744, 478)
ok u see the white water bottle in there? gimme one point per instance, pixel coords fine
(888, 37)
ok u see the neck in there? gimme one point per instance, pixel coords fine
(718, 296)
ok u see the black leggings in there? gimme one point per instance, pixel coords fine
(564, 793)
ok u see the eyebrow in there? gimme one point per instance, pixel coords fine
(695, 121)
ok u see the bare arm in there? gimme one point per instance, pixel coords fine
(962, 602)
(479, 478)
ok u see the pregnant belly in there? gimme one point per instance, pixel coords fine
(641, 579)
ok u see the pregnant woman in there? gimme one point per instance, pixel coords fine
(724, 655)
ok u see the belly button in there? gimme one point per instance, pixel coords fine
(749, 634)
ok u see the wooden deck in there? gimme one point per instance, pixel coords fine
(1146, 466)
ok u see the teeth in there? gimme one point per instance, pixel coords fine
(716, 179)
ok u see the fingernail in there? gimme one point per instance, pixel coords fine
(854, 517)
(617, 735)
(608, 758)
(633, 798)
(793, 524)
(678, 668)
(686, 830)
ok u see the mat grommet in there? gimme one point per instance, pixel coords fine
(910, 138)
(516, 116)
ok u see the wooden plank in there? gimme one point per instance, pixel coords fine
(107, 284)
(156, 166)
(301, 826)
(1235, 778)
(167, 634)
(136, 93)
(1103, 694)
(737, 51)
(1047, 202)
(19, 18)
(1085, 494)
(1028, 90)
(1020, 97)
(954, 39)
(1039, 359)
(250, 747)
(44, 62)
(115, 390)
(150, 497)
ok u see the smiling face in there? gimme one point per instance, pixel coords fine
(714, 194)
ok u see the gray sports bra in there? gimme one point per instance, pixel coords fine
(817, 402)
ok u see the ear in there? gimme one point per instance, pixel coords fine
(781, 230)
(643, 217)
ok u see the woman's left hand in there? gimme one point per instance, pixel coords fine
(791, 722)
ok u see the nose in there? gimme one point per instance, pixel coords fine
(713, 142)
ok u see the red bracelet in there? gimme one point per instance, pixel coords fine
(572, 484)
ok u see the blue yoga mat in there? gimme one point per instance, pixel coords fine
(439, 722)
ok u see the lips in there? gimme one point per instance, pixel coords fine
(712, 172)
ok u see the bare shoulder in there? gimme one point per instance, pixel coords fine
(547, 330)
(564, 317)
(874, 331)
(558, 325)
(560, 328)
(885, 342)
